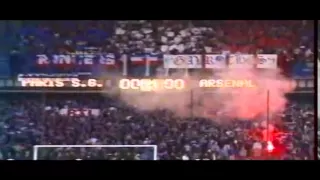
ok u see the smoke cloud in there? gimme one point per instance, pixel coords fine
(217, 103)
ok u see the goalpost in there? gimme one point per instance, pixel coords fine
(37, 147)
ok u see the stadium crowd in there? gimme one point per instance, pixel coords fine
(293, 41)
(28, 119)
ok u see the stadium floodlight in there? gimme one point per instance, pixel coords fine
(36, 148)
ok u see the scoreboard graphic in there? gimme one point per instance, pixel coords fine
(305, 85)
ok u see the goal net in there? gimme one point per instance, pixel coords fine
(95, 152)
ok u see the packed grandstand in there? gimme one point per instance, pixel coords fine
(32, 115)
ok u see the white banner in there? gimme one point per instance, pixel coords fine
(79, 112)
(182, 61)
(241, 61)
(215, 61)
(267, 61)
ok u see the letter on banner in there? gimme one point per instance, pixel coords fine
(62, 59)
(215, 61)
(182, 61)
(268, 61)
(241, 61)
(107, 59)
(42, 59)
